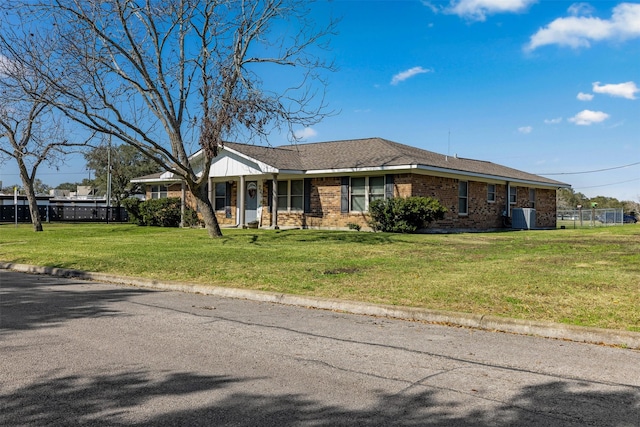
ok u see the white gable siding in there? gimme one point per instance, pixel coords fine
(229, 163)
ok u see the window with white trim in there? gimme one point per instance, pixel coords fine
(491, 193)
(364, 190)
(532, 198)
(291, 195)
(513, 195)
(159, 191)
(376, 188)
(463, 198)
(220, 196)
(358, 194)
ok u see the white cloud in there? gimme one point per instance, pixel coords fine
(580, 31)
(525, 129)
(305, 133)
(585, 96)
(580, 9)
(553, 121)
(404, 75)
(623, 90)
(588, 117)
(478, 10)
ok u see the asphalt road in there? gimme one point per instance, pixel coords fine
(84, 353)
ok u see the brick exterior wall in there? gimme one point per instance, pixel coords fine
(325, 198)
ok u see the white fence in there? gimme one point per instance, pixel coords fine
(590, 217)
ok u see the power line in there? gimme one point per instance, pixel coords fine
(608, 185)
(592, 171)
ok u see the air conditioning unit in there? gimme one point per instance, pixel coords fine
(523, 218)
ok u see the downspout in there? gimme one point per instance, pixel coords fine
(508, 207)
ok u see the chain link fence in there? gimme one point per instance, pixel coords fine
(574, 218)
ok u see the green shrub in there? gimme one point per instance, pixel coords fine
(191, 218)
(353, 226)
(132, 205)
(404, 215)
(159, 212)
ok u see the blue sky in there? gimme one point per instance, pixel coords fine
(549, 87)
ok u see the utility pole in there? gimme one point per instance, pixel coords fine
(15, 204)
(109, 180)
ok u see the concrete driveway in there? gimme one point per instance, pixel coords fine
(84, 353)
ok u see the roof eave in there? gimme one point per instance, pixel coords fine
(438, 170)
(155, 180)
(493, 177)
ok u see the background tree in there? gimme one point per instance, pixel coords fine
(40, 187)
(69, 186)
(8, 189)
(174, 77)
(568, 199)
(30, 131)
(127, 162)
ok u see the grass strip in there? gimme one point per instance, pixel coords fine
(588, 277)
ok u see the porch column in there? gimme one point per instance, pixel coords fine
(274, 203)
(242, 190)
(210, 188)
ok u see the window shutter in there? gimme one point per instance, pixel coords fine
(307, 195)
(344, 194)
(227, 195)
(269, 193)
(388, 187)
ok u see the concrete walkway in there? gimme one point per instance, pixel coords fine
(624, 339)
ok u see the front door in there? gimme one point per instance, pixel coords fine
(251, 202)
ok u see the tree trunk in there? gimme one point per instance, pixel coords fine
(33, 206)
(27, 182)
(35, 213)
(206, 210)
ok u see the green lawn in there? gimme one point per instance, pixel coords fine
(582, 277)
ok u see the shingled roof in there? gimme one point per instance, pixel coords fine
(374, 153)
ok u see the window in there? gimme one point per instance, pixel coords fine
(532, 197)
(463, 198)
(221, 196)
(291, 195)
(491, 193)
(513, 195)
(159, 191)
(376, 188)
(358, 194)
(297, 194)
(364, 190)
(283, 195)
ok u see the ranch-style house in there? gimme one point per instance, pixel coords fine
(330, 185)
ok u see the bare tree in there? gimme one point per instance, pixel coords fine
(30, 131)
(174, 77)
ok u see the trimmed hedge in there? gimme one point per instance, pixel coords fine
(404, 214)
(159, 212)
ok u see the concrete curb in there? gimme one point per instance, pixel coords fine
(625, 339)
